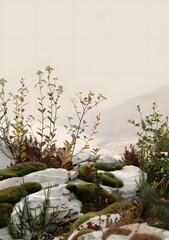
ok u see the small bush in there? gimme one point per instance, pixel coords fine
(92, 196)
(5, 213)
(14, 194)
(21, 169)
(131, 156)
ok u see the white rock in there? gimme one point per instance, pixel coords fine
(131, 176)
(107, 159)
(47, 177)
(4, 235)
(6, 157)
(97, 235)
(99, 220)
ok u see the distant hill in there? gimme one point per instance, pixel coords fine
(114, 124)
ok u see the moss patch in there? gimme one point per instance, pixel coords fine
(90, 174)
(5, 213)
(21, 169)
(107, 167)
(14, 194)
(92, 196)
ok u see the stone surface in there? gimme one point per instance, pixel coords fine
(107, 159)
(4, 235)
(131, 176)
(47, 177)
(136, 227)
(99, 220)
(6, 157)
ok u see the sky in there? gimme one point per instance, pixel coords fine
(119, 48)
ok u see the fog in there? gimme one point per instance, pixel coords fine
(117, 48)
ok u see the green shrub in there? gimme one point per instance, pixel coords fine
(92, 196)
(5, 213)
(21, 169)
(153, 146)
(14, 194)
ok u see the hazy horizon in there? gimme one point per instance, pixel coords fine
(117, 48)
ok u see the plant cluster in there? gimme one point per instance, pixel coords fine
(89, 173)
(93, 196)
(32, 225)
(153, 146)
(131, 156)
(23, 144)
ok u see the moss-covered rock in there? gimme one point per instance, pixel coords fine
(82, 219)
(14, 194)
(5, 213)
(82, 232)
(112, 208)
(90, 174)
(92, 196)
(21, 169)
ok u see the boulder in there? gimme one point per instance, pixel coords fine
(100, 221)
(47, 177)
(135, 228)
(131, 176)
(60, 200)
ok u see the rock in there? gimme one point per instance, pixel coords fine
(100, 221)
(73, 174)
(107, 159)
(145, 228)
(60, 201)
(130, 175)
(4, 235)
(6, 157)
(47, 177)
(135, 228)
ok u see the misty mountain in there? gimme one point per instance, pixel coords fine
(114, 125)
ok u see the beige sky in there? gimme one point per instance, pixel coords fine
(119, 48)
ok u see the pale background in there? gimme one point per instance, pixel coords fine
(119, 48)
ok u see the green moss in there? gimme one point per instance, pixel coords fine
(92, 196)
(21, 169)
(115, 208)
(14, 194)
(82, 232)
(112, 208)
(90, 174)
(107, 167)
(109, 179)
(5, 213)
(82, 219)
